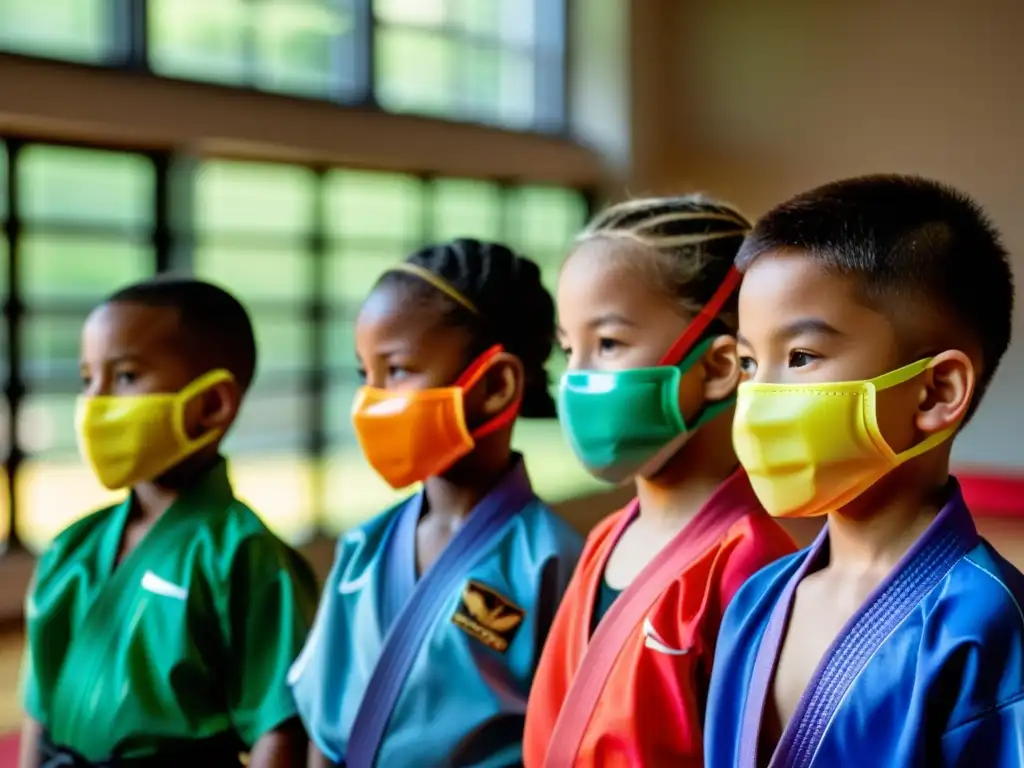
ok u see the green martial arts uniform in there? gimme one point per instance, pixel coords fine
(186, 641)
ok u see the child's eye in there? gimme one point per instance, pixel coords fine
(361, 373)
(127, 378)
(86, 382)
(798, 359)
(397, 372)
(567, 351)
(748, 366)
(608, 345)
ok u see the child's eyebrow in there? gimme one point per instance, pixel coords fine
(127, 357)
(807, 325)
(610, 318)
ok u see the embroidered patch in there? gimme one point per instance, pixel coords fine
(487, 616)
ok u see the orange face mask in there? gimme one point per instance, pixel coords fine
(410, 436)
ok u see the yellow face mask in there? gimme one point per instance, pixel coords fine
(810, 449)
(129, 439)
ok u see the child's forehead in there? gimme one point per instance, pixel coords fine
(119, 325)
(601, 273)
(393, 318)
(783, 289)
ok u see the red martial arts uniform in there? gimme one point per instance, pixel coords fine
(633, 692)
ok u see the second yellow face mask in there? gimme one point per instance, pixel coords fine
(129, 439)
(810, 449)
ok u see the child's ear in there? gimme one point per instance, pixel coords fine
(503, 384)
(721, 365)
(949, 383)
(219, 406)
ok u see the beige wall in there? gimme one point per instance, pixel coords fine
(755, 101)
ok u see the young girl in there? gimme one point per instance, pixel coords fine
(646, 305)
(432, 620)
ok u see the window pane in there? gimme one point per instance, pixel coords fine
(3, 181)
(199, 40)
(518, 21)
(352, 272)
(413, 71)
(481, 18)
(341, 342)
(466, 209)
(51, 351)
(255, 275)
(254, 198)
(79, 30)
(426, 12)
(4, 285)
(353, 492)
(266, 449)
(3, 323)
(282, 342)
(304, 47)
(281, 488)
(495, 85)
(271, 420)
(546, 218)
(338, 408)
(67, 185)
(5, 447)
(54, 492)
(46, 425)
(554, 470)
(59, 267)
(368, 205)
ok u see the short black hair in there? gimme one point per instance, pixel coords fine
(515, 309)
(899, 237)
(217, 328)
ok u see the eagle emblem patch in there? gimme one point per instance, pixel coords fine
(487, 616)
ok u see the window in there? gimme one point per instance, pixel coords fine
(87, 218)
(253, 227)
(489, 61)
(77, 30)
(499, 62)
(300, 47)
(5, 416)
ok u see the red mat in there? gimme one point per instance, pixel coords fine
(9, 751)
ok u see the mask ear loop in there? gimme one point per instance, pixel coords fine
(471, 376)
(703, 319)
(686, 350)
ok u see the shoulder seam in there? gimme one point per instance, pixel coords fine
(997, 580)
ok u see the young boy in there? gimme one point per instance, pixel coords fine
(872, 316)
(160, 630)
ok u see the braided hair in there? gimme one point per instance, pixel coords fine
(690, 243)
(515, 309)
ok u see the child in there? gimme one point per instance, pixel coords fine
(873, 314)
(434, 615)
(160, 629)
(646, 305)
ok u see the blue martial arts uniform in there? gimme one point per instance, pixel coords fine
(399, 672)
(929, 672)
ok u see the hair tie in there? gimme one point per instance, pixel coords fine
(438, 282)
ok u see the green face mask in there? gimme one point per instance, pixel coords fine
(624, 423)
